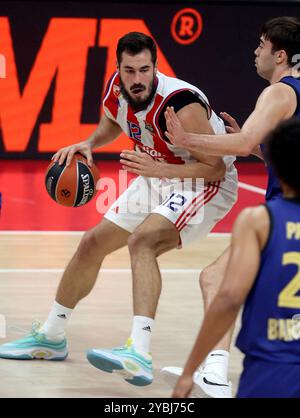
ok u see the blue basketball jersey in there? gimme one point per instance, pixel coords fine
(273, 188)
(271, 317)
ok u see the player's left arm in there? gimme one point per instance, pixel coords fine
(248, 238)
(276, 103)
(233, 127)
(193, 118)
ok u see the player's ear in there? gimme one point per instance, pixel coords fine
(155, 67)
(281, 56)
(118, 66)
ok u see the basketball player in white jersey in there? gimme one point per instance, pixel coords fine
(158, 212)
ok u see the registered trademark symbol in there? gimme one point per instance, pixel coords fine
(186, 26)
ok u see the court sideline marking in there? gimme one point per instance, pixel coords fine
(251, 188)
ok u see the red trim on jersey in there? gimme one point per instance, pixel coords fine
(110, 100)
(159, 144)
(131, 117)
(108, 84)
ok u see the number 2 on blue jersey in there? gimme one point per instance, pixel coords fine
(288, 297)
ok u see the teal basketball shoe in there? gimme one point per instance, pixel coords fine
(35, 346)
(133, 366)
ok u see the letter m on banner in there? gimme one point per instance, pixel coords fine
(62, 56)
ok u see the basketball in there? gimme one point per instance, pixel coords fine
(74, 185)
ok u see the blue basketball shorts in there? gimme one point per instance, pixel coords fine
(266, 379)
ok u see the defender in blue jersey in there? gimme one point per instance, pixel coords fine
(275, 62)
(263, 274)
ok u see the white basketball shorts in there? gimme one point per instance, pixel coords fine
(194, 208)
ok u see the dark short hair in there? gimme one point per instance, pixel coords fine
(135, 42)
(283, 150)
(283, 33)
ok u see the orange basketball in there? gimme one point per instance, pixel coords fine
(74, 185)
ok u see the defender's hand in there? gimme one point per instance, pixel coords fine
(175, 132)
(234, 128)
(183, 387)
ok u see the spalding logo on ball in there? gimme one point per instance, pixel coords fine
(74, 185)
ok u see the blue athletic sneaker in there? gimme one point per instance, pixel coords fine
(134, 367)
(35, 346)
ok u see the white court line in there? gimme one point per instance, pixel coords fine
(251, 188)
(177, 271)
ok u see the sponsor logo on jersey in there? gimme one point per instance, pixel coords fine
(149, 127)
(152, 152)
(116, 90)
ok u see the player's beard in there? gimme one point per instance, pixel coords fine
(140, 104)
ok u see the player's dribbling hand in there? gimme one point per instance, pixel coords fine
(234, 126)
(139, 163)
(68, 152)
(183, 387)
(175, 132)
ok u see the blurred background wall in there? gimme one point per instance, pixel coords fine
(57, 57)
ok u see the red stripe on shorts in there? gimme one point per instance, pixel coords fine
(202, 195)
(207, 197)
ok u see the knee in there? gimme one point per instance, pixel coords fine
(208, 279)
(141, 240)
(88, 247)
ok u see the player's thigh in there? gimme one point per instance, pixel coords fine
(195, 212)
(107, 236)
(132, 206)
(156, 232)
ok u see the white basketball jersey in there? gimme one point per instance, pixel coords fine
(143, 128)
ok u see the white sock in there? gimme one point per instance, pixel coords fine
(141, 333)
(217, 362)
(55, 325)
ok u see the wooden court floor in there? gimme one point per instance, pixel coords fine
(30, 269)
